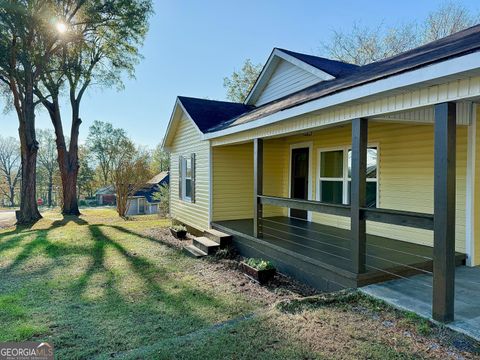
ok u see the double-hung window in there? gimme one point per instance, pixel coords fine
(334, 183)
(187, 178)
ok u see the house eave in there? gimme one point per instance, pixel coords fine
(460, 66)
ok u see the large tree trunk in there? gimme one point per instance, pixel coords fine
(67, 159)
(28, 212)
(12, 196)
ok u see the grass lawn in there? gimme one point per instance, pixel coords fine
(101, 287)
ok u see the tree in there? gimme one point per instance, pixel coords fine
(10, 168)
(160, 160)
(240, 83)
(362, 45)
(163, 197)
(104, 42)
(28, 40)
(105, 143)
(47, 161)
(86, 174)
(131, 171)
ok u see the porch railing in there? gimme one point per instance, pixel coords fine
(386, 216)
(444, 205)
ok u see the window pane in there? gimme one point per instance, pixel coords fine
(331, 192)
(371, 194)
(188, 188)
(371, 163)
(331, 164)
(188, 172)
(371, 197)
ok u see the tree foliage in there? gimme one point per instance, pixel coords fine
(101, 43)
(105, 144)
(362, 45)
(10, 166)
(130, 172)
(86, 175)
(160, 159)
(47, 162)
(239, 84)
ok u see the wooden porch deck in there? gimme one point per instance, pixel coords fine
(321, 255)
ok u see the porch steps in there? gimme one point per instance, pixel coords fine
(193, 251)
(206, 245)
(219, 237)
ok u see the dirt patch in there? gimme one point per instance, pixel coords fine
(341, 325)
(225, 272)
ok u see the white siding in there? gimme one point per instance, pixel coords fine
(187, 140)
(286, 79)
(132, 206)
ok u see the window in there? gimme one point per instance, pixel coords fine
(335, 176)
(187, 178)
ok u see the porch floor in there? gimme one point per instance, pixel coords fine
(415, 294)
(386, 258)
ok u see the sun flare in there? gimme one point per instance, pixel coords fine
(61, 27)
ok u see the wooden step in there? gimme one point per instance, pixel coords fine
(193, 251)
(219, 237)
(206, 245)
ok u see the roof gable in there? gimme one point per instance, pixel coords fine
(206, 115)
(287, 72)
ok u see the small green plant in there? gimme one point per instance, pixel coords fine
(179, 227)
(260, 264)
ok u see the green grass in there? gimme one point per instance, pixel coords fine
(98, 285)
(102, 287)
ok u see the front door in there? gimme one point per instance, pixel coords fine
(299, 180)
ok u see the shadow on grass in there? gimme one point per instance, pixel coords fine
(117, 318)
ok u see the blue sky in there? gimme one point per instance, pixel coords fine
(192, 45)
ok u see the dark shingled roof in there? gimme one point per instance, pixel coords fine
(332, 67)
(461, 43)
(151, 187)
(210, 113)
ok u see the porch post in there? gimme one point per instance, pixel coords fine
(257, 187)
(358, 193)
(444, 213)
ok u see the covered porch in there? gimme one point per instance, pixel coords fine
(333, 221)
(328, 250)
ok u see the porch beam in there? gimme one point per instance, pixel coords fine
(257, 187)
(358, 193)
(444, 213)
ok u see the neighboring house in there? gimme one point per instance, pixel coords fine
(285, 172)
(106, 195)
(143, 201)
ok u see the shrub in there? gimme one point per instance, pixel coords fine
(179, 227)
(260, 264)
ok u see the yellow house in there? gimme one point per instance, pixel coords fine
(342, 175)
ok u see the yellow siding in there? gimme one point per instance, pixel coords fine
(275, 174)
(233, 182)
(405, 174)
(187, 141)
(477, 191)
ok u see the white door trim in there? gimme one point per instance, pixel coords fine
(309, 145)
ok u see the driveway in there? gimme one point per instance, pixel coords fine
(7, 218)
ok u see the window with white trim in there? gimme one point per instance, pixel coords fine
(334, 182)
(187, 178)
